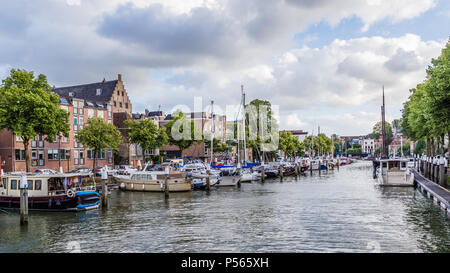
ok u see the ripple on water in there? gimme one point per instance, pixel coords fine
(339, 211)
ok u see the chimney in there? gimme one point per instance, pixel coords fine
(119, 77)
(146, 112)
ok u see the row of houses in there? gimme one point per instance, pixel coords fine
(110, 101)
(369, 145)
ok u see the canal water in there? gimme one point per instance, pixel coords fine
(339, 211)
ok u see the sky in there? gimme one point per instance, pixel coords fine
(322, 62)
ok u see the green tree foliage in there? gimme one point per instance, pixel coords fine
(289, 144)
(257, 136)
(146, 134)
(426, 113)
(421, 145)
(311, 143)
(28, 108)
(182, 131)
(377, 132)
(98, 135)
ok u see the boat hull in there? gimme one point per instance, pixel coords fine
(175, 185)
(82, 201)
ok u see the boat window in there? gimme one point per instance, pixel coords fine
(384, 164)
(30, 184)
(4, 184)
(403, 164)
(38, 185)
(14, 184)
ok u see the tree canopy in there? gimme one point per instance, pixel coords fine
(182, 131)
(426, 113)
(98, 135)
(146, 134)
(28, 108)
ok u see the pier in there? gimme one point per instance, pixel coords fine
(434, 191)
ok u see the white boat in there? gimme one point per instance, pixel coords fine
(228, 181)
(394, 173)
(154, 181)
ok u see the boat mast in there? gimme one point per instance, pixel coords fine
(318, 137)
(212, 131)
(383, 128)
(243, 123)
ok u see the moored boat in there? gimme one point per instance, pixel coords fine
(49, 192)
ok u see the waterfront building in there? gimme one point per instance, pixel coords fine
(64, 152)
(368, 146)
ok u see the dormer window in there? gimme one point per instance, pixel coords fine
(71, 94)
(98, 92)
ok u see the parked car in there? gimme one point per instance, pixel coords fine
(109, 170)
(45, 171)
(125, 169)
(81, 170)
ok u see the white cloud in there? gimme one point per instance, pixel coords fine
(209, 48)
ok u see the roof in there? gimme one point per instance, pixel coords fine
(89, 91)
(155, 114)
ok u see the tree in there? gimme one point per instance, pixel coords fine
(377, 132)
(289, 144)
(426, 113)
(182, 131)
(396, 126)
(421, 145)
(28, 108)
(146, 134)
(98, 135)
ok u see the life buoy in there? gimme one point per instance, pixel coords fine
(70, 193)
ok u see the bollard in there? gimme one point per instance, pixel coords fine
(23, 200)
(104, 188)
(310, 166)
(166, 186)
(296, 169)
(442, 171)
(320, 166)
(326, 165)
(281, 172)
(263, 174)
(338, 163)
(208, 180)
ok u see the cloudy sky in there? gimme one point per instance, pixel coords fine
(322, 61)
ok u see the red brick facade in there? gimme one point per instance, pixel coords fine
(64, 153)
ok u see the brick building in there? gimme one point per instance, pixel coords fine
(64, 153)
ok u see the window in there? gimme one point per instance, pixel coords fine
(71, 94)
(122, 93)
(90, 113)
(53, 154)
(64, 153)
(100, 114)
(126, 105)
(20, 154)
(30, 184)
(14, 184)
(120, 104)
(5, 183)
(98, 91)
(37, 185)
(115, 104)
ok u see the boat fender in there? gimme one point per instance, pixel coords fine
(122, 185)
(70, 193)
(143, 186)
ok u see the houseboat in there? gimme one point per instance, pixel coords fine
(153, 179)
(394, 173)
(49, 192)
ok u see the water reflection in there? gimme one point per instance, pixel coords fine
(338, 211)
